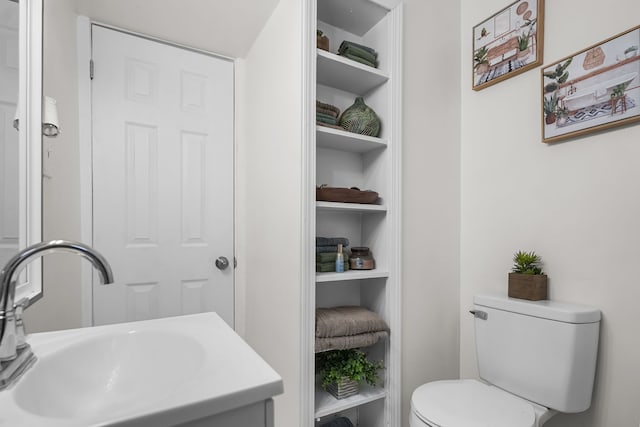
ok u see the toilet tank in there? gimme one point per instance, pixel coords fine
(543, 351)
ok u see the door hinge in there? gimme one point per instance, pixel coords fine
(91, 69)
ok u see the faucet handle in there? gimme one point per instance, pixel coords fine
(18, 308)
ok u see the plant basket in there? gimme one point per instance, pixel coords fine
(345, 388)
(532, 287)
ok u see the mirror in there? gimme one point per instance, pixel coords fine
(20, 136)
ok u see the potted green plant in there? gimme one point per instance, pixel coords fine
(618, 91)
(523, 45)
(550, 105)
(342, 371)
(481, 60)
(527, 280)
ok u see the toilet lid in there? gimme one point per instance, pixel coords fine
(465, 403)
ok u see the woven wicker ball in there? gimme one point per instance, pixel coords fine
(360, 118)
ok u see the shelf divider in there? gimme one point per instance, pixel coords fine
(342, 73)
(342, 140)
(351, 275)
(326, 404)
(350, 207)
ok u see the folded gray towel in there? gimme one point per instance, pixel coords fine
(347, 320)
(347, 342)
(335, 241)
(339, 422)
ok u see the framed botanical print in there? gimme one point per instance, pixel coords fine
(508, 43)
(594, 89)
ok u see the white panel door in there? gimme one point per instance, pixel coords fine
(162, 178)
(9, 164)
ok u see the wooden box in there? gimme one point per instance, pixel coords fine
(345, 195)
(531, 287)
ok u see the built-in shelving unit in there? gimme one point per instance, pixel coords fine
(339, 158)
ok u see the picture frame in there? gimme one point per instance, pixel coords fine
(594, 89)
(507, 43)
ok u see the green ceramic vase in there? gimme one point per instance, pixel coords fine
(360, 118)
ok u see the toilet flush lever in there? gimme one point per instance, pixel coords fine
(479, 314)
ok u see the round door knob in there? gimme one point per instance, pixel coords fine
(222, 263)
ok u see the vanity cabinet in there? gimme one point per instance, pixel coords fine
(259, 414)
(342, 159)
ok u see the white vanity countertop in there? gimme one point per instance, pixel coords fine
(130, 376)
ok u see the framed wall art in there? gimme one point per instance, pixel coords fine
(508, 43)
(594, 89)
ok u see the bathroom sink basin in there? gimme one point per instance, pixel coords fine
(158, 372)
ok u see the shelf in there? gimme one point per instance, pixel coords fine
(355, 16)
(326, 404)
(349, 207)
(351, 275)
(342, 140)
(344, 74)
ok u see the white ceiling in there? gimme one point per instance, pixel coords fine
(225, 27)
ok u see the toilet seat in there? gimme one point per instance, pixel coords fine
(467, 403)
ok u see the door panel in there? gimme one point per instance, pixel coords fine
(162, 178)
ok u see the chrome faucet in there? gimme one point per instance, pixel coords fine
(15, 354)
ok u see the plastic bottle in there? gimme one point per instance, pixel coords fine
(340, 260)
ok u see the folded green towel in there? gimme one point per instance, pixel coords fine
(325, 116)
(326, 267)
(326, 248)
(326, 241)
(358, 59)
(346, 43)
(329, 121)
(326, 257)
(361, 53)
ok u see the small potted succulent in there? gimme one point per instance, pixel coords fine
(550, 106)
(631, 51)
(342, 371)
(526, 280)
(523, 45)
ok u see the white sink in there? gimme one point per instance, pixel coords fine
(158, 372)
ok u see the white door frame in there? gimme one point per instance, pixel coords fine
(83, 43)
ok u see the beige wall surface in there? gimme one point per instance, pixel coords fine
(430, 194)
(269, 200)
(575, 203)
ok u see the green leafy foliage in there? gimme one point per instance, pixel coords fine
(353, 364)
(618, 91)
(560, 74)
(523, 41)
(526, 263)
(550, 104)
(480, 56)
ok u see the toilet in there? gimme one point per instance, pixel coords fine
(535, 359)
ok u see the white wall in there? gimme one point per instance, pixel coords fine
(269, 175)
(60, 307)
(575, 203)
(431, 195)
